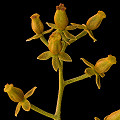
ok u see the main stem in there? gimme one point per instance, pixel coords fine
(60, 93)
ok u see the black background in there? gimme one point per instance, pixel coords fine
(81, 100)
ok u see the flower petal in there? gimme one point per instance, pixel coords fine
(91, 35)
(64, 57)
(79, 26)
(17, 109)
(44, 56)
(34, 37)
(47, 31)
(70, 27)
(98, 81)
(26, 105)
(51, 25)
(87, 63)
(30, 92)
(96, 118)
(55, 63)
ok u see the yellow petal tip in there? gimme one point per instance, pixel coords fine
(8, 87)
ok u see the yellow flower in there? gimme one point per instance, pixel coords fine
(37, 27)
(17, 95)
(54, 43)
(36, 24)
(60, 17)
(104, 64)
(95, 21)
(92, 24)
(101, 66)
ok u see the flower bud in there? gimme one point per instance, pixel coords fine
(36, 24)
(95, 21)
(104, 64)
(54, 43)
(113, 116)
(60, 17)
(14, 93)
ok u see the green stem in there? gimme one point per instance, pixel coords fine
(42, 38)
(67, 82)
(82, 34)
(64, 38)
(33, 107)
(60, 92)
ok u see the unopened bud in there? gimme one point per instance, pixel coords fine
(37, 25)
(104, 64)
(95, 21)
(15, 94)
(113, 116)
(54, 43)
(60, 17)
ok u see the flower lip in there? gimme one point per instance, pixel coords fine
(36, 15)
(61, 7)
(8, 87)
(103, 15)
(112, 59)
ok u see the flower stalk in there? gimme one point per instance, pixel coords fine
(60, 92)
(36, 109)
(76, 79)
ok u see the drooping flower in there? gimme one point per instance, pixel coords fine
(100, 68)
(37, 27)
(95, 21)
(92, 24)
(36, 24)
(17, 95)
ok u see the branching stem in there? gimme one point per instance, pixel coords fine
(67, 82)
(33, 107)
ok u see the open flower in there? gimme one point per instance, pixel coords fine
(92, 24)
(17, 95)
(101, 66)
